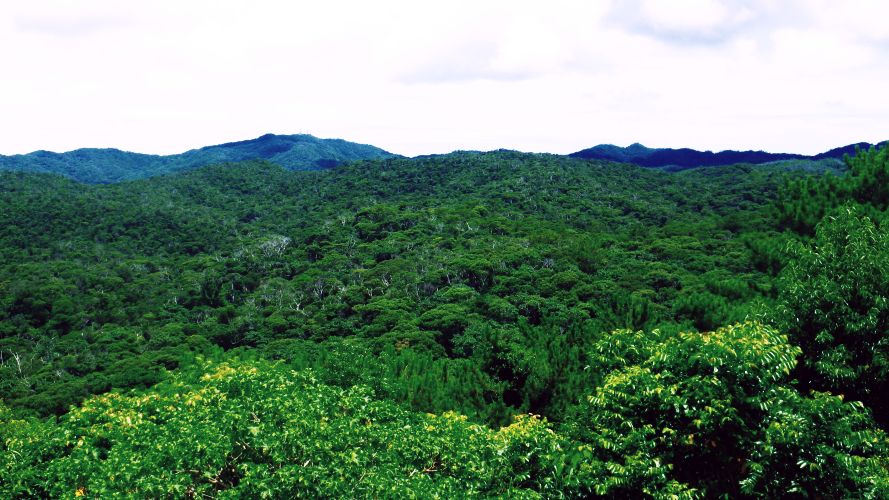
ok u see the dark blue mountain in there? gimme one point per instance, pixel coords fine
(294, 152)
(842, 151)
(679, 159)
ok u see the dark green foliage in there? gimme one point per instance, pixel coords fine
(834, 303)
(817, 446)
(713, 415)
(414, 257)
(803, 202)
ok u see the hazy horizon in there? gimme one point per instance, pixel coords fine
(166, 77)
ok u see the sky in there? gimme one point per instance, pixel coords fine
(421, 77)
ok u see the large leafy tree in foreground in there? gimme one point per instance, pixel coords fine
(259, 430)
(712, 414)
(834, 304)
(674, 416)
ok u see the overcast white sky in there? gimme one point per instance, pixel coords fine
(417, 77)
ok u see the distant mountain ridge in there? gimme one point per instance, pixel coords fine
(101, 166)
(679, 159)
(307, 152)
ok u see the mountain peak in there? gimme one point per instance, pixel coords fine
(293, 152)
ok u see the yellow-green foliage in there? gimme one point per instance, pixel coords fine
(674, 416)
(260, 430)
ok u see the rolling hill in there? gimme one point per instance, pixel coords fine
(103, 166)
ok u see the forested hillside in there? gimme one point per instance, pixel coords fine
(472, 324)
(101, 166)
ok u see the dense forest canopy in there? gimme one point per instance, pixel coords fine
(491, 324)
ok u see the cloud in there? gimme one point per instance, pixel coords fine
(703, 22)
(69, 26)
(425, 77)
(68, 19)
(505, 41)
(473, 61)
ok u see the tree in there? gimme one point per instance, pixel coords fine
(834, 303)
(259, 430)
(712, 414)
